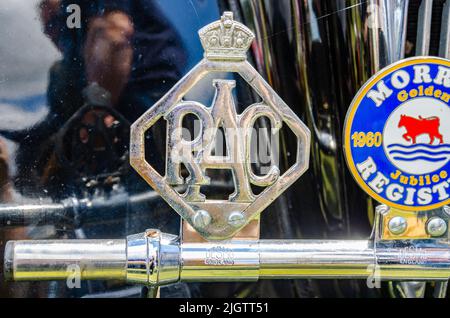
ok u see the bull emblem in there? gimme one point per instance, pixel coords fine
(421, 126)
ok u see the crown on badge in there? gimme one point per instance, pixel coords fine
(226, 39)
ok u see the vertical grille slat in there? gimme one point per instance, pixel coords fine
(424, 27)
(444, 42)
(428, 30)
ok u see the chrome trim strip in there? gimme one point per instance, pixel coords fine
(444, 43)
(156, 259)
(397, 16)
(424, 27)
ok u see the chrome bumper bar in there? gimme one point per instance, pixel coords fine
(156, 259)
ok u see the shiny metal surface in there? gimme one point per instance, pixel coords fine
(396, 14)
(333, 47)
(220, 261)
(424, 28)
(316, 259)
(350, 259)
(444, 43)
(156, 259)
(303, 73)
(410, 289)
(62, 259)
(226, 43)
(440, 290)
(316, 54)
(436, 226)
(41, 89)
(397, 225)
(152, 258)
(201, 219)
(74, 210)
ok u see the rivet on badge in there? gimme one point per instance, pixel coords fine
(226, 43)
(397, 135)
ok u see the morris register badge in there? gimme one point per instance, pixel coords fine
(397, 134)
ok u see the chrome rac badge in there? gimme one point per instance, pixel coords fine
(226, 43)
(397, 135)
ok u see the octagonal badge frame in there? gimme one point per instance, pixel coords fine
(219, 229)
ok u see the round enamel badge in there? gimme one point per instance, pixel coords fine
(397, 134)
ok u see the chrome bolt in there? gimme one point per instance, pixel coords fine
(436, 226)
(201, 219)
(236, 219)
(397, 225)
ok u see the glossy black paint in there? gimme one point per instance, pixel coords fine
(316, 54)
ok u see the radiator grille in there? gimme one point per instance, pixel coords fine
(428, 28)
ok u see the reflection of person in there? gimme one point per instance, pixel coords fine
(125, 55)
(125, 46)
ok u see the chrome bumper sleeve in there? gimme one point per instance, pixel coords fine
(158, 259)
